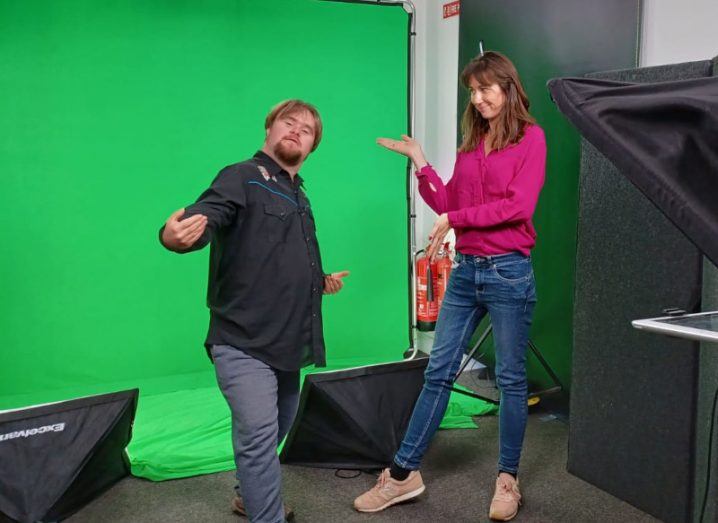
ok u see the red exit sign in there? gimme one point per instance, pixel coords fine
(451, 9)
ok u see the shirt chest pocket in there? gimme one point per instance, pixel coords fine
(278, 220)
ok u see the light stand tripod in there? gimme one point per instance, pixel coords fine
(534, 350)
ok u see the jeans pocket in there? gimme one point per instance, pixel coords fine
(513, 272)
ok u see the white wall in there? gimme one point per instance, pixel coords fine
(437, 55)
(675, 31)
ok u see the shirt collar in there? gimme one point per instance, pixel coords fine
(273, 167)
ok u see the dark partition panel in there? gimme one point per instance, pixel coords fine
(707, 449)
(547, 39)
(633, 401)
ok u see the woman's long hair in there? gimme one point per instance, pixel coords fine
(487, 69)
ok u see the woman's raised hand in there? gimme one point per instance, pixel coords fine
(406, 146)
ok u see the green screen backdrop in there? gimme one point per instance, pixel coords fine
(114, 114)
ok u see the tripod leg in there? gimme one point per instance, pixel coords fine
(471, 353)
(544, 363)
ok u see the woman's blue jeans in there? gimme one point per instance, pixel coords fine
(502, 286)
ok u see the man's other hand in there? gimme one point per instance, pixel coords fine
(333, 282)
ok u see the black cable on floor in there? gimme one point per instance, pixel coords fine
(347, 473)
(351, 473)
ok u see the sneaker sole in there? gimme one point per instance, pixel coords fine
(394, 501)
(505, 518)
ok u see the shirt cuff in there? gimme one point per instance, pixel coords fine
(454, 218)
(424, 171)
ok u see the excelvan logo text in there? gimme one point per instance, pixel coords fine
(57, 427)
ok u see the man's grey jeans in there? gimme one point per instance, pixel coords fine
(263, 401)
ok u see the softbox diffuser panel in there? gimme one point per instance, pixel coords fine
(57, 457)
(662, 136)
(354, 418)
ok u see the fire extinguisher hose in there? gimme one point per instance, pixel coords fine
(429, 284)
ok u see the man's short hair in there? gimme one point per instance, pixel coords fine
(296, 106)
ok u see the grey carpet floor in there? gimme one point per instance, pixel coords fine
(459, 473)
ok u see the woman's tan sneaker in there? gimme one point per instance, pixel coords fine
(388, 492)
(507, 498)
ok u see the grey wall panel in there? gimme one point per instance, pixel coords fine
(633, 399)
(708, 382)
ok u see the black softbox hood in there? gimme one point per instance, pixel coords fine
(57, 457)
(354, 418)
(662, 136)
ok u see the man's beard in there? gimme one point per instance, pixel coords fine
(288, 156)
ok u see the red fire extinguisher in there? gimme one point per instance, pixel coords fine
(427, 308)
(431, 281)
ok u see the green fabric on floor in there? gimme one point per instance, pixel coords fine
(463, 408)
(181, 434)
(187, 433)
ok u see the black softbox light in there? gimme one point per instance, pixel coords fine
(662, 136)
(354, 418)
(55, 458)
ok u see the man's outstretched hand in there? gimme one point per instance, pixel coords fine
(179, 235)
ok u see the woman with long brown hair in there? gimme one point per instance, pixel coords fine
(489, 202)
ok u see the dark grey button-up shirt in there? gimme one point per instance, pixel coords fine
(265, 271)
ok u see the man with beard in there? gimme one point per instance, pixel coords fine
(265, 292)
